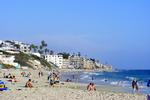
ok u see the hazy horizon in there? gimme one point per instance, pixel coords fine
(112, 31)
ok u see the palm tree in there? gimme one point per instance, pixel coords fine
(65, 55)
(36, 48)
(33, 47)
(42, 46)
(79, 54)
(51, 52)
(46, 51)
(43, 43)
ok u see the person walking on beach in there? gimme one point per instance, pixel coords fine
(39, 74)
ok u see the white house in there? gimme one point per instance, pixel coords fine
(56, 59)
(25, 48)
(6, 59)
(14, 46)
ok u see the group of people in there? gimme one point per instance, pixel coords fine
(135, 86)
(11, 77)
(40, 74)
(24, 74)
(53, 78)
(91, 87)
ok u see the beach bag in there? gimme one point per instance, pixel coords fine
(2, 86)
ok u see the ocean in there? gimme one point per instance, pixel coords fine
(120, 78)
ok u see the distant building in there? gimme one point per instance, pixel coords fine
(103, 67)
(55, 59)
(14, 46)
(88, 64)
(23, 47)
(8, 46)
(76, 61)
(66, 63)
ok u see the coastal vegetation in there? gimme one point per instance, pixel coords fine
(23, 60)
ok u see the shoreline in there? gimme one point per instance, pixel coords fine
(85, 70)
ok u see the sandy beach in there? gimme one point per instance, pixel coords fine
(61, 91)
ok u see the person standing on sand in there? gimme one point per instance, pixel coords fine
(39, 74)
(135, 86)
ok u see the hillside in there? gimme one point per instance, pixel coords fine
(29, 60)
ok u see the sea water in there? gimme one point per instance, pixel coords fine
(120, 78)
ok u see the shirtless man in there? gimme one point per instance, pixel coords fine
(29, 84)
(91, 87)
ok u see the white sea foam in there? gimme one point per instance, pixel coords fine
(131, 78)
(114, 83)
(120, 83)
(85, 77)
(92, 73)
(104, 80)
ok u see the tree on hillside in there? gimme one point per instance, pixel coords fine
(46, 51)
(65, 55)
(34, 47)
(92, 59)
(51, 52)
(79, 54)
(42, 46)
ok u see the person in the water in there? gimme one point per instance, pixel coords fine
(148, 83)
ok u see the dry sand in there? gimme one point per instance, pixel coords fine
(66, 91)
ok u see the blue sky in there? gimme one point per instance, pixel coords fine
(113, 31)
